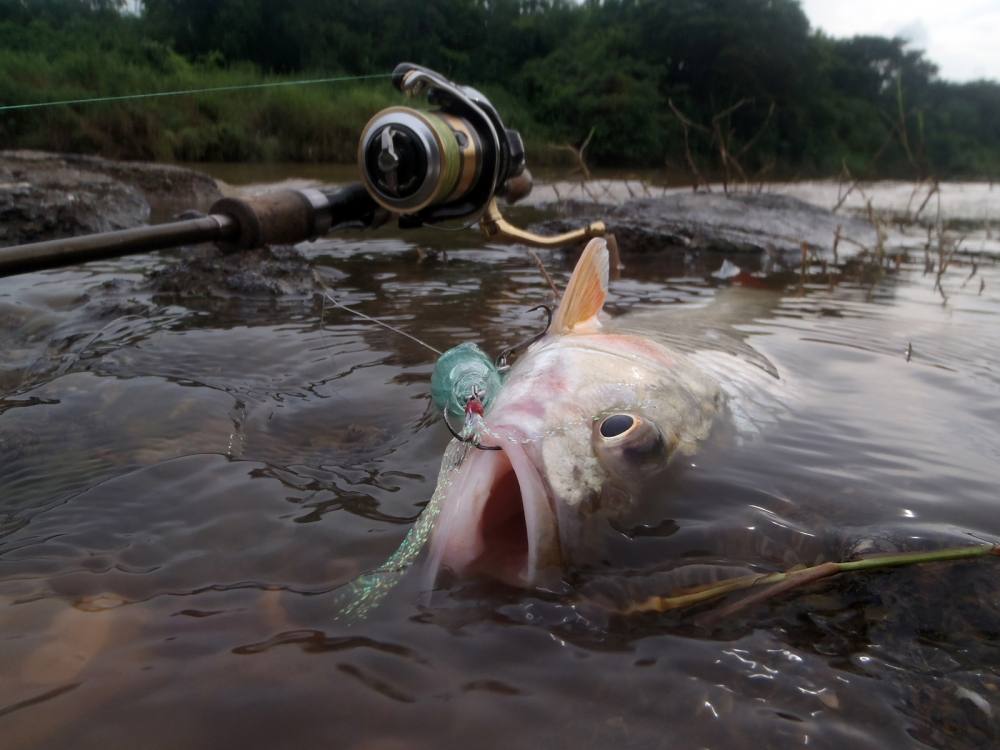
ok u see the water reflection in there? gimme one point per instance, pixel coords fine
(189, 472)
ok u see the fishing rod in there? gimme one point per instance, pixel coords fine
(422, 167)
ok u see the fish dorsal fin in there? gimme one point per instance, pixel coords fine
(586, 291)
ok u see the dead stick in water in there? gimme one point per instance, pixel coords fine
(545, 274)
(616, 265)
(792, 579)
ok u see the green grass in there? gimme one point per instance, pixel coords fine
(318, 122)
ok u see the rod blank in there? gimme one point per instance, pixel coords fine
(38, 256)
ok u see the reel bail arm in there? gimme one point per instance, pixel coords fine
(494, 224)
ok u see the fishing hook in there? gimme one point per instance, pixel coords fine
(503, 359)
(473, 405)
(471, 440)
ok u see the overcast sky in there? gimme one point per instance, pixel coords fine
(962, 37)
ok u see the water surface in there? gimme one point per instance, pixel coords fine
(187, 479)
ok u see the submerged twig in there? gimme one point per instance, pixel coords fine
(778, 583)
(616, 265)
(945, 254)
(804, 247)
(880, 237)
(972, 273)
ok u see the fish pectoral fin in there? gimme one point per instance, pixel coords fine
(587, 288)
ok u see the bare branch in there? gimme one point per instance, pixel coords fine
(760, 131)
(729, 110)
(578, 154)
(686, 126)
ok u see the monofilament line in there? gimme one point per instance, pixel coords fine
(382, 323)
(184, 92)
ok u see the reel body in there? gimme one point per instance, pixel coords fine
(451, 163)
(438, 165)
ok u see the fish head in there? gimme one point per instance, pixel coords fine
(585, 419)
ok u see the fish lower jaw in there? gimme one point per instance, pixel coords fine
(496, 522)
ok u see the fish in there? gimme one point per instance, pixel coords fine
(587, 417)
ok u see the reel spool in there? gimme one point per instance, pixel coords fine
(433, 166)
(413, 159)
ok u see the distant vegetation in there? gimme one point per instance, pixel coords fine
(742, 86)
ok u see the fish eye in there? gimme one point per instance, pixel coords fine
(629, 446)
(616, 424)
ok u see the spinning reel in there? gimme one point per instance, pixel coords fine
(438, 165)
(451, 163)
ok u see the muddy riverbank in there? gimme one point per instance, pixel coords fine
(45, 196)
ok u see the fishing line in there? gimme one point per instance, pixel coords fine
(472, 439)
(382, 323)
(184, 92)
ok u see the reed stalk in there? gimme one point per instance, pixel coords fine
(778, 583)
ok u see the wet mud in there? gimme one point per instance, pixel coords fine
(774, 226)
(46, 196)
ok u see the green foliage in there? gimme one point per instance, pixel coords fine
(808, 104)
(40, 61)
(574, 89)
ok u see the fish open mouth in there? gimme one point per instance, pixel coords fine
(495, 519)
(502, 526)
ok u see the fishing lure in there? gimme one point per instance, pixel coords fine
(463, 384)
(465, 381)
(464, 374)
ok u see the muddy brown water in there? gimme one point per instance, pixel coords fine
(186, 480)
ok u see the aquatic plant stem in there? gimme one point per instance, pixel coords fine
(793, 578)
